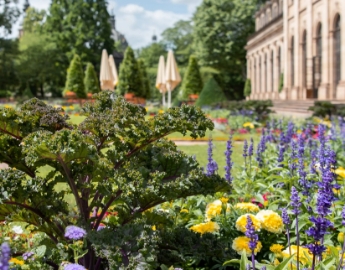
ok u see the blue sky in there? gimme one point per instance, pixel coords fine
(138, 20)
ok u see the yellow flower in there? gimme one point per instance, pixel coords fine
(213, 209)
(242, 243)
(71, 107)
(341, 237)
(249, 207)
(340, 171)
(302, 253)
(161, 111)
(276, 248)
(336, 191)
(248, 124)
(241, 223)
(224, 200)
(16, 261)
(208, 227)
(270, 221)
(153, 228)
(276, 262)
(184, 210)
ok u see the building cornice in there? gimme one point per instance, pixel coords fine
(273, 29)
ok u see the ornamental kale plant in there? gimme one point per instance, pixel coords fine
(113, 168)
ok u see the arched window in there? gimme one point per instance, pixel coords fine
(304, 58)
(337, 51)
(319, 47)
(254, 77)
(272, 71)
(292, 62)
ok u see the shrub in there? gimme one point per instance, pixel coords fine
(281, 83)
(146, 87)
(114, 167)
(91, 81)
(130, 77)
(247, 88)
(192, 82)
(75, 78)
(323, 109)
(210, 94)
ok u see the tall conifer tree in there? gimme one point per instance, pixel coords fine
(192, 82)
(91, 82)
(130, 78)
(146, 87)
(75, 78)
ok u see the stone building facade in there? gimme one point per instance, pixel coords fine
(298, 50)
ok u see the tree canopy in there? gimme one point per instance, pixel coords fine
(221, 29)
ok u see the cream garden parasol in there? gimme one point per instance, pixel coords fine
(106, 77)
(172, 75)
(113, 69)
(160, 81)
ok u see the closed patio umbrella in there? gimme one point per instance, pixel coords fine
(172, 75)
(160, 81)
(113, 69)
(106, 77)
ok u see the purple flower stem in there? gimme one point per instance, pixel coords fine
(297, 243)
(253, 260)
(341, 257)
(313, 263)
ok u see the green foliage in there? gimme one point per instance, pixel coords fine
(323, 109)
(221, 29)
(210, 94)
(180, 39)
(91, 81)
(9, 12)
(36, 63)
(146, 86)
(281, 83)
(192, 82)
(75, 78)
(79, 27)
(150, 54)
(115, 161)
(8, 54)
(130, 80)
(34, 20)
(247, 88)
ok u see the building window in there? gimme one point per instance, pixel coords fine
(292, 62)
(254, 77)
(337, 51)
(272, 71)
(304, 59)
(319, 47)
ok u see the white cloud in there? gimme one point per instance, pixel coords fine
(191, 4)
(134, 21)
(138, 24)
